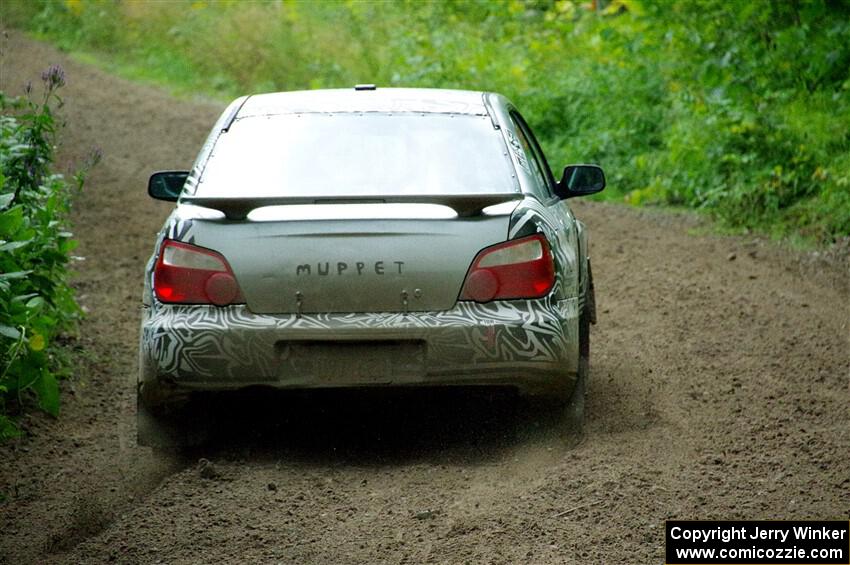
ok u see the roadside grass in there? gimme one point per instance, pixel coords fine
(737, 110)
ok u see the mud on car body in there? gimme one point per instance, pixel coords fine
(361, 238)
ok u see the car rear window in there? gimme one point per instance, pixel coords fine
(353, 154)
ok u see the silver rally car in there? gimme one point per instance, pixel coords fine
(361, 238)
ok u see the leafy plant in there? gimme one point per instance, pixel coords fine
(36, 302)
(738, 109)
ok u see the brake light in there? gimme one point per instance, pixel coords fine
(521, 268)
(188, 274)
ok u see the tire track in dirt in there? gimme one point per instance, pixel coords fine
(90, 467)
(719, 389)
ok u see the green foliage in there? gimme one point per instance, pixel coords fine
(759, 112)
(36, 303)
(741, 109)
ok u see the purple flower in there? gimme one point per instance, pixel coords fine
(54, 77)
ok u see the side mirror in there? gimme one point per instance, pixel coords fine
(580, 180)
(167, 185)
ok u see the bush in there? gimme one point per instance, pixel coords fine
(740, 109)
(36, 303)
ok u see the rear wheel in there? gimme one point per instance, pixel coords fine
(575, 406)
(169, 427)
(566, 407)
(584, 335)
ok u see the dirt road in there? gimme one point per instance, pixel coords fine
(720, 388)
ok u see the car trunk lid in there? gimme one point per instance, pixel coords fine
(347, 261)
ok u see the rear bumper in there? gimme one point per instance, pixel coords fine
(528, 344)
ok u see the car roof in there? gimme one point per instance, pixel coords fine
(425, 100)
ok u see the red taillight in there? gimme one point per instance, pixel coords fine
(188, 274)
(521, 268)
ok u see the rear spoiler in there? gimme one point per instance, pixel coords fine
(465, 205)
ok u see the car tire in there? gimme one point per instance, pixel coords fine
(570, 404)
(171, 428)
(590, 307)
(575, 406)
